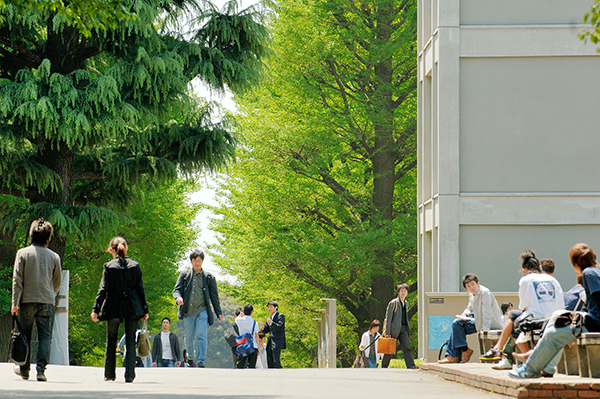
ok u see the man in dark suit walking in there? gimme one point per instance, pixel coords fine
(396, 326)
(276, 328)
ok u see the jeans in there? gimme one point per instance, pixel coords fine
(549, 348)
(196, 331)
(41, 314)
(166, 363)
(110, 357)
(405, 344)
(458, 338)
(372, 362)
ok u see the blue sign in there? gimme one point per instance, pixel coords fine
(440, 328)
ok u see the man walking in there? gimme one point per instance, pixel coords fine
(165, 350)
(396, 326)
(195, 292)
(36, 280)
(276, 328)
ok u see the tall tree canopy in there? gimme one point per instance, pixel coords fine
(323, 194)
(84, 120)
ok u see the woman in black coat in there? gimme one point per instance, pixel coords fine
(120, 298)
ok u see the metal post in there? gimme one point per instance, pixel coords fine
(319, 342)
(331, 331)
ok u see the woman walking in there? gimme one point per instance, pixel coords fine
(120, 298)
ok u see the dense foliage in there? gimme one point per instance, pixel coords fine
(321, 202)
(86, 120)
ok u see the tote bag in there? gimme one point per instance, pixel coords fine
(18, 347)
(143, 343)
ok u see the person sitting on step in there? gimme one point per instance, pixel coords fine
(482, 313)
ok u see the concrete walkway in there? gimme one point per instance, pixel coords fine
(88, 382)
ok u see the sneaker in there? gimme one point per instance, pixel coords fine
(191, 363)
(491, 354)
(521, 372)
(504, 364)
(41, 376)
(201, 365)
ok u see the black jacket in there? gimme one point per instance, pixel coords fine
(157, 347)
(183, 288)
(277, 332)
(121, 293)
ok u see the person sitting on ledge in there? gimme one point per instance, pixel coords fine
(482, 313)
(548, 350)
(539, 295)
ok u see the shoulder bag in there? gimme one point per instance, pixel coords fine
(245, 343)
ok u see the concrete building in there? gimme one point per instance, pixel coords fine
(508, 143)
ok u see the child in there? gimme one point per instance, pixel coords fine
(505, 307)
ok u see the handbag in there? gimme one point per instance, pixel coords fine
(231, 334)
(245, 343)
(143, 341)
(572, 318)
(18, 346)
(359, 361)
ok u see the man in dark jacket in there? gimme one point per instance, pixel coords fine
(276, 328)
(194, 292)
(165, 350)
(396, 326)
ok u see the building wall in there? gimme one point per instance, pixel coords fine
(507, 140)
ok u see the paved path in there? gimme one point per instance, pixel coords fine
(87, 382)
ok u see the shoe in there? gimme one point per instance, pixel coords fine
(466, 355)
(546, 374)
(41, 376)
(521, 372)
(191, 363)
(448, 359)
(128, 379)
(109, 378)
(491, 354)
(504, 364)
(24, 374)
(201, 365)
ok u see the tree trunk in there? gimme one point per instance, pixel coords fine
(62, 162)
(382, 284)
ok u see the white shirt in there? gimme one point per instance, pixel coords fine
(167, 354)
(245, 324)
(541, 294)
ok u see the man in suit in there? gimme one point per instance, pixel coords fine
(396, 326)
(194, 293)
(276, 328)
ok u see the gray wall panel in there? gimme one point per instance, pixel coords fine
(518, 12)
(492, 252)
(529, 124)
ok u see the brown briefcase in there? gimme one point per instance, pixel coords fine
(387, 346)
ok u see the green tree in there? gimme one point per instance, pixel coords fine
(323, 195)
(85, 120)
(84, 15)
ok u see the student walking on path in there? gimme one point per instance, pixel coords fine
(36, 280)
(121, 297)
